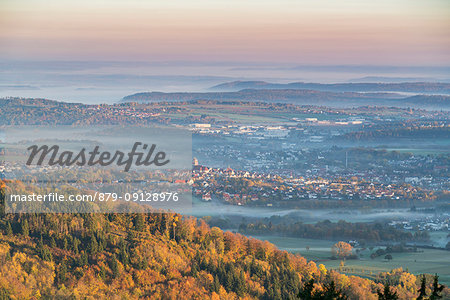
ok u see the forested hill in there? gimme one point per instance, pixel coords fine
(155, 256)
(301, 97)
(411, 87)
(272, 95)
(161, 256)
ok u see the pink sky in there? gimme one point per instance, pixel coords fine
(404, 32)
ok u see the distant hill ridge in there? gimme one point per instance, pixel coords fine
(302, 97)
(409, 87)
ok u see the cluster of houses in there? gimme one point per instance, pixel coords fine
(424, 223)
(244, 187)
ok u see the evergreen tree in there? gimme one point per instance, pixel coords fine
(102, 273)
(94, 245)
(387, 294)
(139, 223)
(423, 288)
(239, 284)
(25, 229)
(437, 289)
(61, 276)
(114, 265)
(123, 255)
(306, 293)
(41, 242)
(216, 284)
(83, 259)
(45, 254)
(76, 243)
(9, 231)
(229, 280)
(331, 293)
(101, 243)
(194, 269)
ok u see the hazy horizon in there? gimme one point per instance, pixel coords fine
(107, 82)
(406, 32)
(100, 51)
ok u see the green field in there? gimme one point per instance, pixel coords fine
(244, 114)
(241, 117)
(429, 261)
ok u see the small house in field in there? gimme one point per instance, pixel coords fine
(206, 197)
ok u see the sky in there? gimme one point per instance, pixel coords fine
(382, 32)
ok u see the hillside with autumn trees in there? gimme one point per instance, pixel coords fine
(162, 256)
